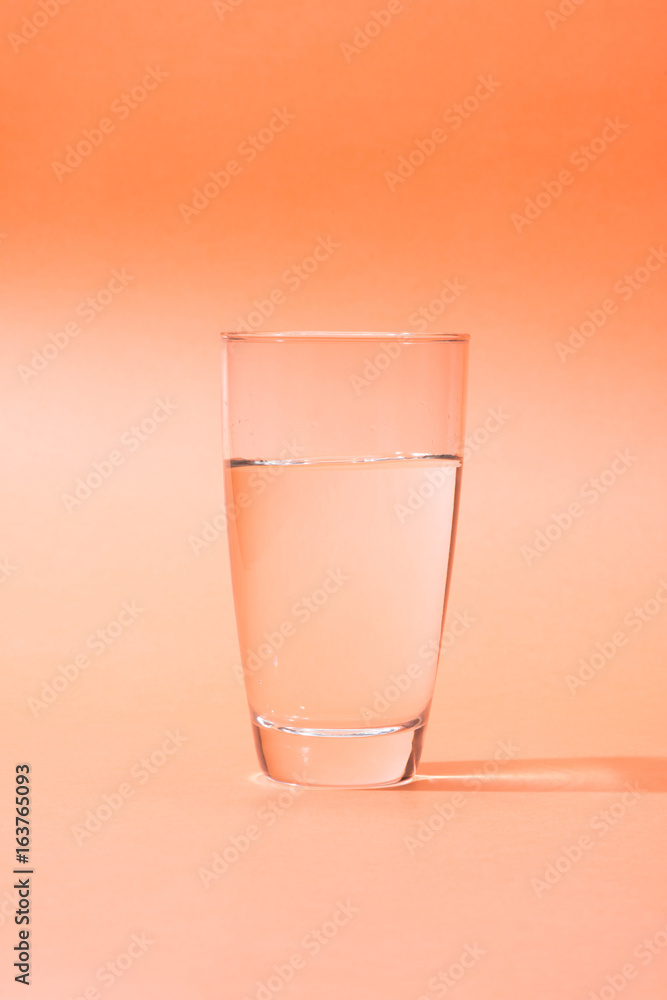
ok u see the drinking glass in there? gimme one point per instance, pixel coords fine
(343, 456)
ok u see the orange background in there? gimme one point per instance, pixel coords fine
(66, 573)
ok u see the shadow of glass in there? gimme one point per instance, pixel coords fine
(566, 774)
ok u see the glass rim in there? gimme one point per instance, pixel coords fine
(343, 336)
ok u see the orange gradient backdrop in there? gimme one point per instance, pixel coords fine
(496, 169)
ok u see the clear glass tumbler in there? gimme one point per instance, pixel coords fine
(343, 460)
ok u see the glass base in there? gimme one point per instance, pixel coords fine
(339, 758)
